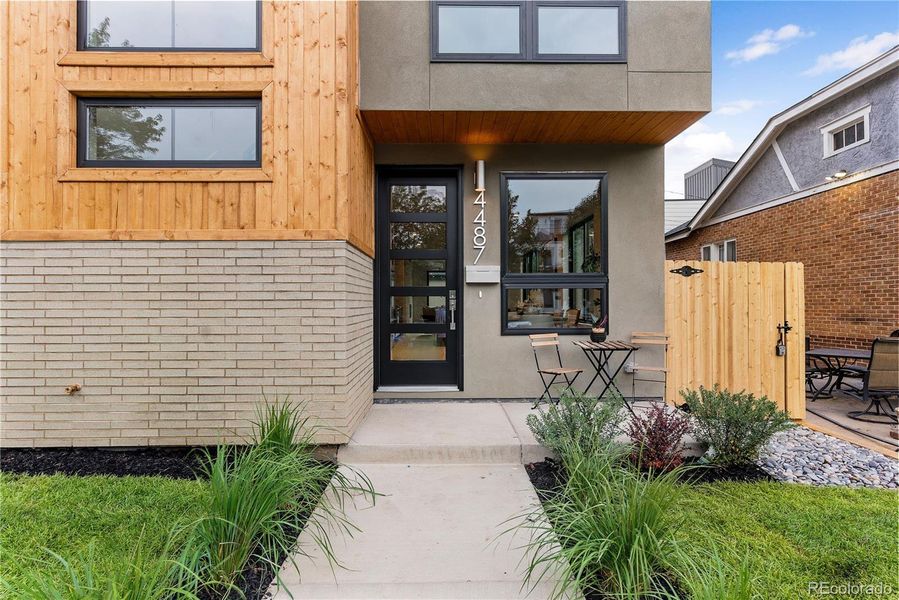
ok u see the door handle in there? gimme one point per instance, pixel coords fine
(452, 309)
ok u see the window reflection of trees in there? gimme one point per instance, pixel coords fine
(417, 199)
(99, 36)
(123, 132)
(542, 242)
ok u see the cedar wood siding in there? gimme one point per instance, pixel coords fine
(316, 177)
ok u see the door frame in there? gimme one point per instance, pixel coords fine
(454, 171)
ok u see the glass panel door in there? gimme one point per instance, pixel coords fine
(418, 309)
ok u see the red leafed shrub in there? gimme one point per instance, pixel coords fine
(658, 438)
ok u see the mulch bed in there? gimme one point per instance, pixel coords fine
(181, 462)
(548, 477)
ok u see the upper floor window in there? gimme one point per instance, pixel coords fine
(166, 25)
(847, 132)
(169, 132)
(721, 251)
(554, 264)
(528, 30)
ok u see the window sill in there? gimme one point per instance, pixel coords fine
(223, 175)
(88, 88)
(164, 59)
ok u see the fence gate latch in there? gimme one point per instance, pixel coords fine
(782, 330)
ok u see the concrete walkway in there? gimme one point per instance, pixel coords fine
(452, 474)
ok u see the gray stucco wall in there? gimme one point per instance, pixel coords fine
(802, 143)
(668, 68)
(803, 147)
(497, 366)
(765, 181)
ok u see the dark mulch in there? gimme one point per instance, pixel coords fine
(175, 462)
(257, 577)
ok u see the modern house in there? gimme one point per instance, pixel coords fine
(699, 183)
(819, 185)
(339, 202)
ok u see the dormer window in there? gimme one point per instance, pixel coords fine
(528, 31)
(847, 132)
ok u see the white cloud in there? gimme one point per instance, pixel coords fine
(767, 41)
(858, 52)
(690, 149)
(737, 107)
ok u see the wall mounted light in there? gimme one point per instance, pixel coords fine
(479, 185)
(841, 174)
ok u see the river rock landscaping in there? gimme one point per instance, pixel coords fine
(801, 455)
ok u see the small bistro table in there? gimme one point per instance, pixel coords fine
(599, 354)
(835, 361)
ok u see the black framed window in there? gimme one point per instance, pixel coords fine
(528, 30)
(169, 132)
(554, 256)
(170, 25)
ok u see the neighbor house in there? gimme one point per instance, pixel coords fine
(819, 185)
(208, 203)
(699, 183)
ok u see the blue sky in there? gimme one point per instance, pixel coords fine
(766, 56)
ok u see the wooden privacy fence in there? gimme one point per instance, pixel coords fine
(723, 323)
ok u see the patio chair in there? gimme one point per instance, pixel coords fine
(651, 374)
(815, 370)
(549, 375)
(880, 383)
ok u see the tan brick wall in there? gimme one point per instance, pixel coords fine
(176, 342)
(848, 240)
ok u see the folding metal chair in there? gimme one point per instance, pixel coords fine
(549, 375)
(647, 373)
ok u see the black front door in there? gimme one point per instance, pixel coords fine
(417, 277)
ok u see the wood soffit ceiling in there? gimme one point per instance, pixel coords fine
(520, 127)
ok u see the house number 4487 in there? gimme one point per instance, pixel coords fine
(479, 238)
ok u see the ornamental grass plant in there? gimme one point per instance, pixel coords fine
(608, 532)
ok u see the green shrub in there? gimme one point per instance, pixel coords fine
(608, 532)
(734, 426)
(579, 420)
(263, 494)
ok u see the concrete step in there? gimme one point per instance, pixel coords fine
(452, 433)
(445, 433)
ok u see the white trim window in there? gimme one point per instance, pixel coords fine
(847, 132)
(725, 251)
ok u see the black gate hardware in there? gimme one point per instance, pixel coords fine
(686, 271)
(782, 330)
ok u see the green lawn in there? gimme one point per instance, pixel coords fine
(793, 534)
(67, 514)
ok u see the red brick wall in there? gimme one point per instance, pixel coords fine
(848, 239)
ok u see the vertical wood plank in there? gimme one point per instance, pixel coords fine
(295, 115)
(282, 127)
(311, 95)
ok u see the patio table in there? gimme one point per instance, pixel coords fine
(599, 354)
(835, 361)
